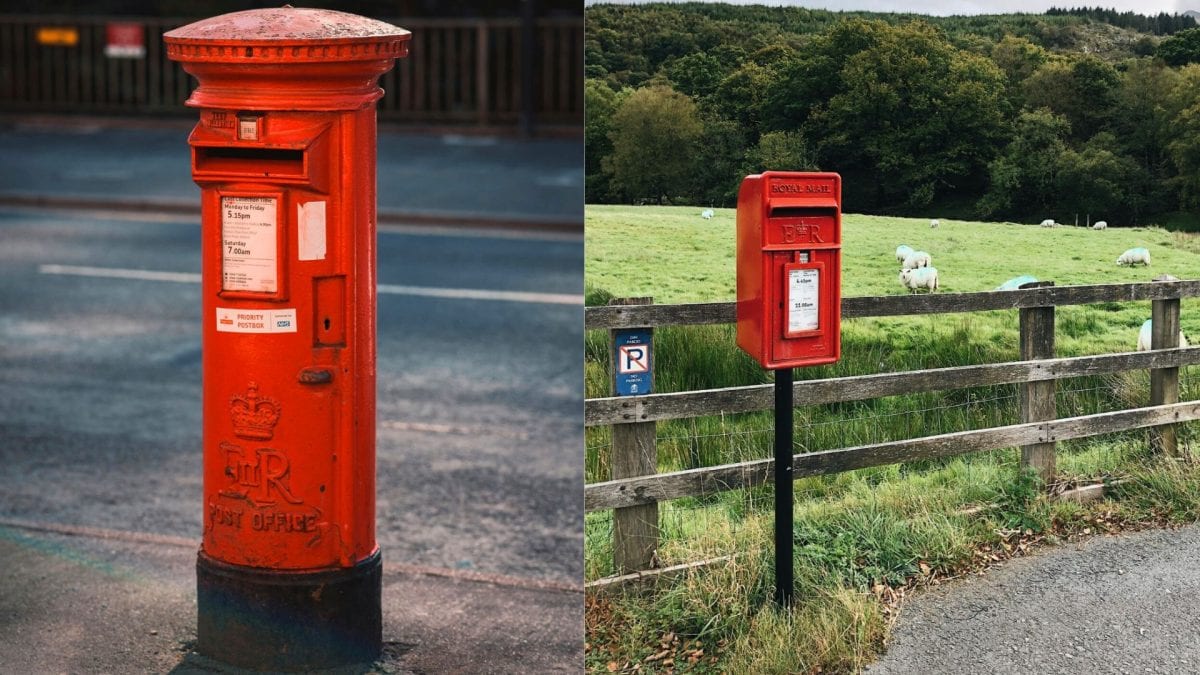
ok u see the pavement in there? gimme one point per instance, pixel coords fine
(1128, 603)
(478, 413)
(106, 602)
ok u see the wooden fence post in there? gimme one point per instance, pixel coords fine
(634, 453)
(1037, 398)
(1164, 382)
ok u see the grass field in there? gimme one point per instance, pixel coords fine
(862, 537)
(671, 253)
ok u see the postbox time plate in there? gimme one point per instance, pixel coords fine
(803, 299)
(249, 244)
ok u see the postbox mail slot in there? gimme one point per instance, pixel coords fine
(798, 211)
(255, 162)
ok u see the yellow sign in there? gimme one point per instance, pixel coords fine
(57, 36)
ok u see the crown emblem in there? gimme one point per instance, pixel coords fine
(254, 416)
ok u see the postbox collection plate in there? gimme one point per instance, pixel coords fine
(250, 235)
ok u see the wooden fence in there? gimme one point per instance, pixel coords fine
(634, 498)
(457, 72)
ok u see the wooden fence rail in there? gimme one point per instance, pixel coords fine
(628, 492)
(700, 313)
(459, 71)
(1036, 374)
(681, 405)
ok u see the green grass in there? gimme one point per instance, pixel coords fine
(860, 531)
(672, 254)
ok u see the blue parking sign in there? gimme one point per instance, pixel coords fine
(633, 367)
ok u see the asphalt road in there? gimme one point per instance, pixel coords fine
(440, 175)
(1113, 604)
(478, 408)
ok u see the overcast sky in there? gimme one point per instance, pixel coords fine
(947, 7)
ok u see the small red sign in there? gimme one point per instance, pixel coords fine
(125, 40)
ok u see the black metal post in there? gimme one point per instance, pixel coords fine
(783, 487)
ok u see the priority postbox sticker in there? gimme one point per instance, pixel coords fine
(256, 320)
(249, 260)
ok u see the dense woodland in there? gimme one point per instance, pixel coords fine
(1074, 113)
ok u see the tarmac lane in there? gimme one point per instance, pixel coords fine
(1124, 603)
(440, 177)
(478, 419)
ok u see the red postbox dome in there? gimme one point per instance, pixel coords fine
(295, 57)
(264, 33)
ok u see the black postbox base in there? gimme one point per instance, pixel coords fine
(289, 621)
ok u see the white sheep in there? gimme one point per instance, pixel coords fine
(1143, 341)
(1134, 256)
(706, 214)
(934, 224)
(925, 277)
(1016, 282)
(902, 252)
(1049, 222)
(1100, 225)
(917, 259)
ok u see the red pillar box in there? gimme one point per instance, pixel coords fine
(288, 572)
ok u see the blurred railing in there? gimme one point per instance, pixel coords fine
(459, 71)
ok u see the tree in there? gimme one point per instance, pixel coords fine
(717, 170)
(800, 84)
(1084, 90)
(600, 101)
(905, 117)
(1180, 49)
(653, 132)
(696, 75)
(1143, 116)
(739, 96)
(1018, 58)
(1100, 181)
(781, 151)
(1184, 148)
(1023, 177)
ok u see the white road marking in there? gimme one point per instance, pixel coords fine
(467, 232)
(434, 428)
(389, 289)
(118, 273)
(481, 294)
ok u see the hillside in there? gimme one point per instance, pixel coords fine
(1002, 117)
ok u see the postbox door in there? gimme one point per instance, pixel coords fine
(278, 374)
(804, 306)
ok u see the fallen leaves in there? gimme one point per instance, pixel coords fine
(670, 653)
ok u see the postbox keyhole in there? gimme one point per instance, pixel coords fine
(329, 312)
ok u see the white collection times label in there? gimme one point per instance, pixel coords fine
(249, 260)
(804, 303)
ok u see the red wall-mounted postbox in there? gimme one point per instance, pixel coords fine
(284, 154)
(789, 268)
